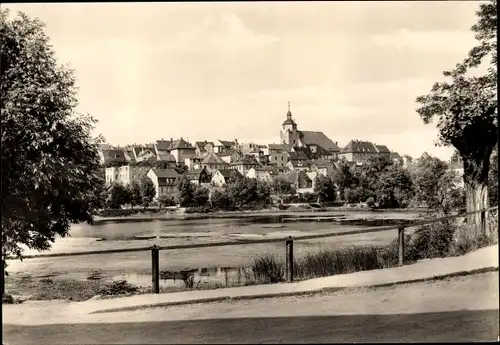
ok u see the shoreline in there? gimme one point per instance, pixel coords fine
(176, 215)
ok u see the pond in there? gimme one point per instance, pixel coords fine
(136, 266)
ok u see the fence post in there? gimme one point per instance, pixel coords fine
(483, 222)
(155, 268)
(289, 259)
(401, 244)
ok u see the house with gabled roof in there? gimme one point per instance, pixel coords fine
(165, 182)
(193, 163)
(230, 156)
(246, 163)
(359, 151)
(203, 147)
(213, 162)
(222, 177)
(179, 148)
(298, 165)
(112, 156)
(226, 145)
(198, 176)
(323, 167)
(261, 173)
(383, 151)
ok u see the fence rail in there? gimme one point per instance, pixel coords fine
(288, 243)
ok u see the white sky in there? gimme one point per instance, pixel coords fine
(208, 71)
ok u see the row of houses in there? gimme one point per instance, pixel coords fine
(303, 153)
(166, 179)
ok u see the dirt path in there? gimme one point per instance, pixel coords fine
(456, 309)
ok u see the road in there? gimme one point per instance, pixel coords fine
(456, 309)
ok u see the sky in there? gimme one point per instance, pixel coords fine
(209, 71)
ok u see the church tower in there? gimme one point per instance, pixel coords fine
(289, 134)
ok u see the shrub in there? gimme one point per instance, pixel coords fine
(433, 240)
(268, 269)
(466, 240)
(119, 287)
(8, 299)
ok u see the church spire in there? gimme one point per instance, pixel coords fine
(289, 113)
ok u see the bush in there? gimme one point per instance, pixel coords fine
(119, 287)
(466, 240)
(268, 269)
(433, 240)
(8, 299)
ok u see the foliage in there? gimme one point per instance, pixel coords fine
(148, 191)
(325, 188)
(9, 299)
(394, 188)
(119, 287)
(337, 261)
(222, 200)
(249, 192)
(112, 164)
(134, 194)
(117, 196)
(466, 240)
(186, 192)
(493, 178)
(50, 161)
(343, 177)
(201, 196)
(465, 105)
(181, 169)
(282, 187)
(268, 269)
(166, 200)
(433, 240)
(437, 186)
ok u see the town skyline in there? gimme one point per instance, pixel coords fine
(207, 71)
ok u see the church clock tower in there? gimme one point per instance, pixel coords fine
(289, 134)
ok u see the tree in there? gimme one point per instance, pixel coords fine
(222, 200)
(249, 191)
(325, 188)
(201, 196)
(394, 188)
(117, 196)
(135, 195)
(186, 192)
(166, 200)
(493, 178)
(437, 187)
(50, 161)
(465, 106)
(148, 191)
(282, 187)
(343, 177)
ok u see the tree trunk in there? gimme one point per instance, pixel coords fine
(476, 187)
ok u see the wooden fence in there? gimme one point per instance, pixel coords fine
(155, 250)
